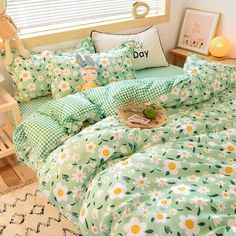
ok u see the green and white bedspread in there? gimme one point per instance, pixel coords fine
(109, 179)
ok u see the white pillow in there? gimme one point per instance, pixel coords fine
(149, 52)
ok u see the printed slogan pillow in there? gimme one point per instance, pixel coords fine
(148, 53)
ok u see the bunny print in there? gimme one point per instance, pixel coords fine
(89, 73)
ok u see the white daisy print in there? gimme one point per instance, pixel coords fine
(164, 202)
(17, 61)
(161, 182)
(184, 154)
(127, 61)
(184, 95)
(64, 86)
(199, 202)
(135, 228)
(117, 191)
(172, 166)
(203, 190)
(105, 152)
(83, 213)
(216, 85)
(189, 224)
(232, 224)
(124, 164)
(229, 147)
(160, 217)
(175, 90)
(95, 213)
(221, 206)
(78, 176)
(60, 192)
(77, 192)
(216, 219)
(155, 194)
(63, 156)
(225, 194)
(25, 75)
(228, 170)
(232, 189)
(197, 114)
(188, 129)
(141, 182)
(90, 147)
(105, 74)
(104, 62)
(32, 87)
(233, 77)
(181, 189)
(193, 178)
(194, 70)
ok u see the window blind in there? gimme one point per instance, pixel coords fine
(40, 15)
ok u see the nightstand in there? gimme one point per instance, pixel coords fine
(8, 108)
(179, 56)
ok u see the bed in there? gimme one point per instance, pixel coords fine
(27, 108)
(109, 179)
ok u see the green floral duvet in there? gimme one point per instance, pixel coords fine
(109, 179)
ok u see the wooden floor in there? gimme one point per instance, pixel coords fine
(12, 174)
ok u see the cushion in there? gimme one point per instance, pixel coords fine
(148, 53)
(112, 66)
(30, 76)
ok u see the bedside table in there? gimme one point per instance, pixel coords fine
(179, 56)
(8, 106)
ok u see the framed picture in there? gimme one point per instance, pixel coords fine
(198, 29)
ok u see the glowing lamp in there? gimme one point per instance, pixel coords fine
(219, 46)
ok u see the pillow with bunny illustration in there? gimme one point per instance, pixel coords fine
(73, 74)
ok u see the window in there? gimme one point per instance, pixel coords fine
(34, 16)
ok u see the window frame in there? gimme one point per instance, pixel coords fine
(68, 34)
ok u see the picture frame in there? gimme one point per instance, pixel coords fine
(197, 30)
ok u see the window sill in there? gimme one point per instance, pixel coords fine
(73, 33)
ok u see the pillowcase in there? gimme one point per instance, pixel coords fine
(215, 76)
(148, 53)
(114, 65)
(30, 76)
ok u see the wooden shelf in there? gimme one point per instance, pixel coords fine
(6, 146)
(8, 107)
(180, 55)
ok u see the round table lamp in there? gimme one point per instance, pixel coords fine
(219, 46)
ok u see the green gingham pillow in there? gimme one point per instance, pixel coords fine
(114, 65)
(56, 121)
(30, 76)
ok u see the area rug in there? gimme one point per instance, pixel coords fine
(26, 212)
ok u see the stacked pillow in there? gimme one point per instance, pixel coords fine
(58, 73)
(31, 76)
(112, 66)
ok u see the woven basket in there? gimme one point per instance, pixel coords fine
(127, 111)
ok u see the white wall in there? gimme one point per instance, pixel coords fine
(227, 26)
(169, 31)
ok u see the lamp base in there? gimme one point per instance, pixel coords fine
(218, 58)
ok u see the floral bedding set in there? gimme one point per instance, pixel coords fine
(109, 179)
